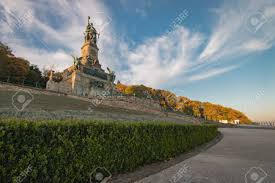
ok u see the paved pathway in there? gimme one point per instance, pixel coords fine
(241, 153)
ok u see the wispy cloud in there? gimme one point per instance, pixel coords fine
(211, 73)
(161, 59)
(243, 27)
(48, 36)
(24, 27)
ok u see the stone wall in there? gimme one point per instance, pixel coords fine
(62, 87)
(80, 84)
(133, 103)
(124, 102)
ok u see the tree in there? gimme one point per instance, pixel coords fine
(34, 74)
(169, 101)
(18, 70)
(5, 50)
(121, 87)
(15, 68)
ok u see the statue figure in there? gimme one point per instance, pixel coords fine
(89, 20)
(91, 33)
(112, 75)
(76, 62)
(89, 58)
(95, 35)
(110, 71)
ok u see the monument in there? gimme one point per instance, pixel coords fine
(86, 76)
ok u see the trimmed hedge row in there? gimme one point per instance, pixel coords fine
(68, 151)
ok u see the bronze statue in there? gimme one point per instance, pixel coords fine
(76, 62)
(112, 75)
(91, 34)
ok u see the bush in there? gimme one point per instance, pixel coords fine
(68, 151)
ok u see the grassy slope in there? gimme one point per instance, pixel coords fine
(79, 109)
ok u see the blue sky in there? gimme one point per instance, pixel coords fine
(216, 51)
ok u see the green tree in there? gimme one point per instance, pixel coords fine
(18, 70)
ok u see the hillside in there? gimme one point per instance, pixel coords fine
(20, 71)
(170, 101)
(50, 105)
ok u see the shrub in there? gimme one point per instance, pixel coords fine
(67, 151)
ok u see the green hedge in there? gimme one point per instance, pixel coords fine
(68, 151)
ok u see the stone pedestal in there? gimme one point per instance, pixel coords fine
(85, 77)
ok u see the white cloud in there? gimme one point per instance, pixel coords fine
(255, 45)
(227, 27)
(211, 73)
(68, 36)
(58, 60)
(168, 59)
(235, 35)
(161, 59)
